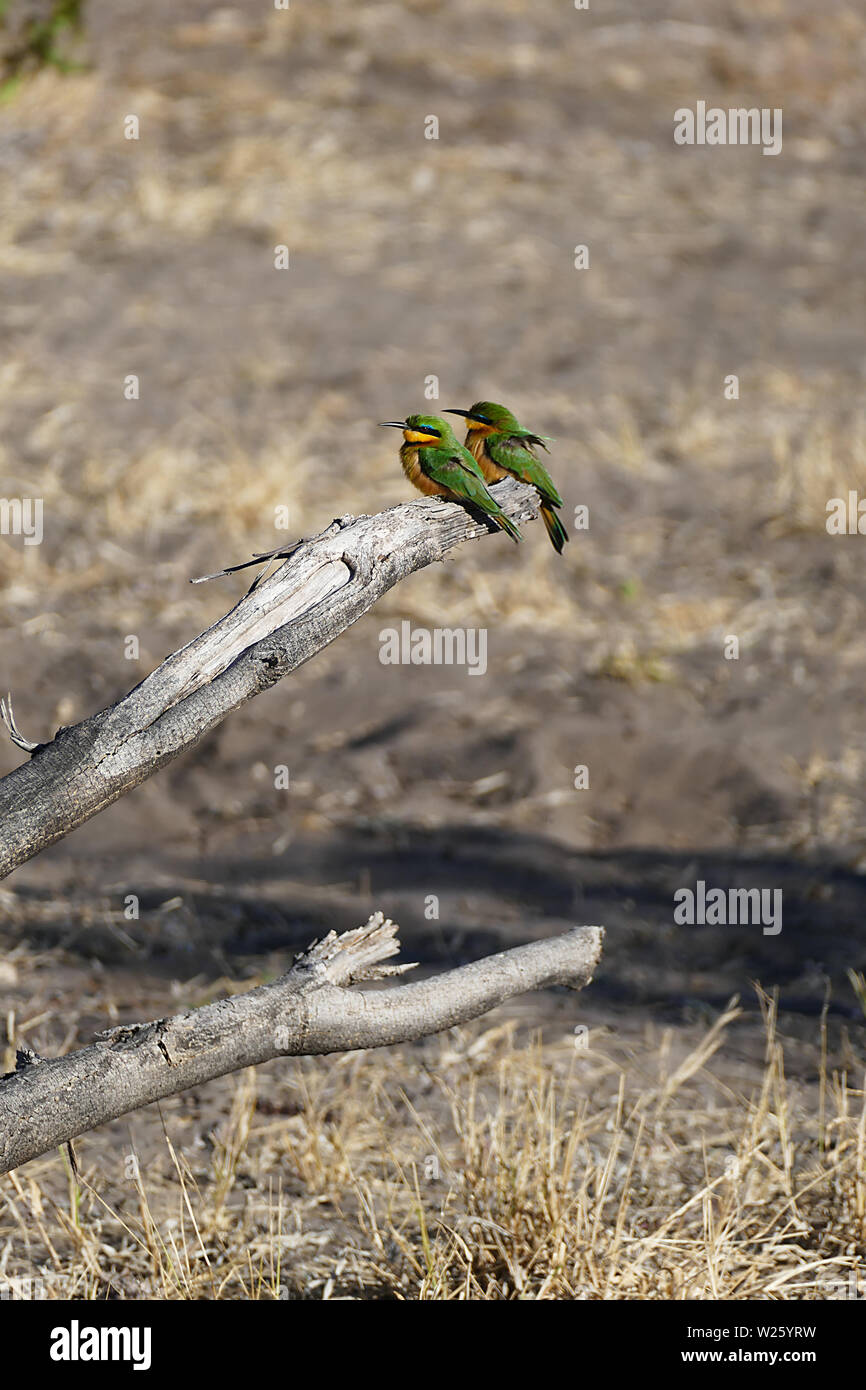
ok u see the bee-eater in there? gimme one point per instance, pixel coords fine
(437, 464)
(501, 447)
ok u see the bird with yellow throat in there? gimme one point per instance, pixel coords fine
(437, 464)
(503, 448)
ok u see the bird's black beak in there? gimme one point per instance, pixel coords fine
(466, 413)
(393, 424)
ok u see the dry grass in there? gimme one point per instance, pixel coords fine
(487, 1165)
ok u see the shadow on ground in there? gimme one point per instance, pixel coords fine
(461, 893)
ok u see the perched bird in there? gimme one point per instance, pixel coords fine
(437, 464)
(502, 447)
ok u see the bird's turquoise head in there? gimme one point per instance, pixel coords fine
(425, 431)
(486, 417)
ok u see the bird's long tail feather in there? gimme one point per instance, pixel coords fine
(555, 529)
(508, 526)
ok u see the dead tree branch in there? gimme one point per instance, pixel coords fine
(325, 586)
(309, 1011)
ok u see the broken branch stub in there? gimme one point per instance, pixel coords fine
(309, 1011)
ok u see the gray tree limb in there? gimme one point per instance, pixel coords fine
(309, 1011)
(326, 584)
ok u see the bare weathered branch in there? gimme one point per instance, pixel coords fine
(309, 1011)
(326, 585)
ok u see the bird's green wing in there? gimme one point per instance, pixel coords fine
(461, 474)
(458, 471)
(508, 452)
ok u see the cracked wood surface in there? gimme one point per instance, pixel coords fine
(325, 585)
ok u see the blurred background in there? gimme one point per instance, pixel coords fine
(451, 258)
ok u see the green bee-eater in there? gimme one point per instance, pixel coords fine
(501, 446)
(437, 464)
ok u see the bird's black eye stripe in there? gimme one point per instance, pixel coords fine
(426, 429)
(482, 419)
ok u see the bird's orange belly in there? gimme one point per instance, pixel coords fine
(418, 478)
(492, 472)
